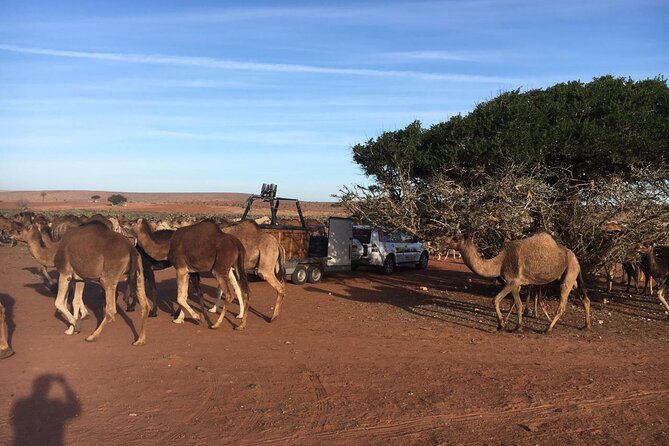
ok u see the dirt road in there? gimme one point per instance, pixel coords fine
(359, 358)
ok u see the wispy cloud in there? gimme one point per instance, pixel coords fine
(228, 64)
(455, 56)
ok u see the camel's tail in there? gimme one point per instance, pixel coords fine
(134, 275)
(240, 272)
(581, 284)
(281, 271)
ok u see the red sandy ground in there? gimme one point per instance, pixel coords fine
(359, 358)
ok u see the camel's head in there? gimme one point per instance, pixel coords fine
(644, 248)
(453, 241)
(22, 233)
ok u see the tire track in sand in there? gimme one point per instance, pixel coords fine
(394, 430)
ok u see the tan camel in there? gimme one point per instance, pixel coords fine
(656, 262)
(203, 247)
(94, 252)
(154, 247)
(43, 249)
(536, 260)
(5, 350)
(264, 256)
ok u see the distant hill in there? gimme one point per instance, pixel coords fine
(227, 203)
(137, 197)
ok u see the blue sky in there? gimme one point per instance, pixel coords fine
(188, 96)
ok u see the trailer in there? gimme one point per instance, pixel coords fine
(310, 252)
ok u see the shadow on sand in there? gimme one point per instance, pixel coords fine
(41, 418)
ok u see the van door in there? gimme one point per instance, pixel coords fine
(339, 243)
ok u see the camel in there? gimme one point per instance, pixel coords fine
(8, 229)
(656, 260)
(203, 247)
(5, 350)
(154, 247)
(61, 224)
(94, 252)
(536, 260)
(43, 249)
(265, 255)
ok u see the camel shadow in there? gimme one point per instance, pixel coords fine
(40, 287)
(402, 290)
(166, 301)
(455, 297)
(41, 419)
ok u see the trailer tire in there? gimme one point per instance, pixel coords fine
(314, 274)
(299, 275)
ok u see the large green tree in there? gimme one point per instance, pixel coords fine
(586, 161)
(599, 128)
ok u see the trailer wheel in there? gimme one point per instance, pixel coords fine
(299, 275)
(314, 274)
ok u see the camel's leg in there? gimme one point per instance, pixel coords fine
(660, 293)
(241, 298)
(564, 297)
(221, 306)
(61, 302)
(497, 301)
(238, 293)
(48, 281)
(543, 308)
(110, 309)
(280, 287)
(609, 278)
(150, 280)
(5, 350)
(143, 307)
(78, 308)
(182, 298)
(519, 304)
(650, 284)
(586, 306)
(217, 306)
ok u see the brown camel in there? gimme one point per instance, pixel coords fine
(154, 246)
(94, 252)
(656, 262)
(61, 224)
(5, 350)
(203, 247)
(536, 260)
(264, 256)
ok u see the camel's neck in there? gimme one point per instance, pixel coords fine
(654, 267)
(485, 268)
(150, 245)
(43, 254)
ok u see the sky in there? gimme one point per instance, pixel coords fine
(223, 96)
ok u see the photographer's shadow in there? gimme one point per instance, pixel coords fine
(40, 418)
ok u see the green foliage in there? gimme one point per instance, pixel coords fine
(117, 199)
(604, 127)
(587, 162)
(95, 198)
